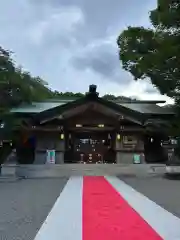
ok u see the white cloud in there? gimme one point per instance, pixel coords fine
(60, 23)
(47, 34)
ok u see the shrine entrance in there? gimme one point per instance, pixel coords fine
(93, 147)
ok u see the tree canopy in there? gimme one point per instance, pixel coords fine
(154, 53)
(16, 85)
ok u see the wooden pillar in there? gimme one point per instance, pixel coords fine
(60, 148)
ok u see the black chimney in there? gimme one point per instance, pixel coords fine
(92, 89)
(92, 92)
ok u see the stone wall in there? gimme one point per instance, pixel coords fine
(125, 152)
(49, 141)
(128, 157)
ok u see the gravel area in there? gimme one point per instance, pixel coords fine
(164, 192)
(24, 205)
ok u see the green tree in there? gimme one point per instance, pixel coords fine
(154, 53)
(111, 97)
(18, 86)
(67, 95)
(7, 70)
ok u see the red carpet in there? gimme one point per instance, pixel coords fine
(107, 216)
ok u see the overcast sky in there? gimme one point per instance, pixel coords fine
(72, 43)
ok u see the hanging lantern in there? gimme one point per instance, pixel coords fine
(78, 125)
(62, 136)
(118, 136)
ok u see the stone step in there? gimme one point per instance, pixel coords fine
(8, 178)
(94, 170)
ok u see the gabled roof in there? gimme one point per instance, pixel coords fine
(50, 107)
(37, 107)
(147, 108)
(141, 107)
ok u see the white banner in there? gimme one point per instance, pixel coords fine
(51, 156)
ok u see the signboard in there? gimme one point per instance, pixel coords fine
(170, 156)
(51, 156)
(136, 159)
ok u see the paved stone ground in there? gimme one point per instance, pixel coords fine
(164, 192)
(24, 205)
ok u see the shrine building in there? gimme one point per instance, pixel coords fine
(93, 130)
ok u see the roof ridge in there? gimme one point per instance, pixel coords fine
(138, 101)
(59, 100)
